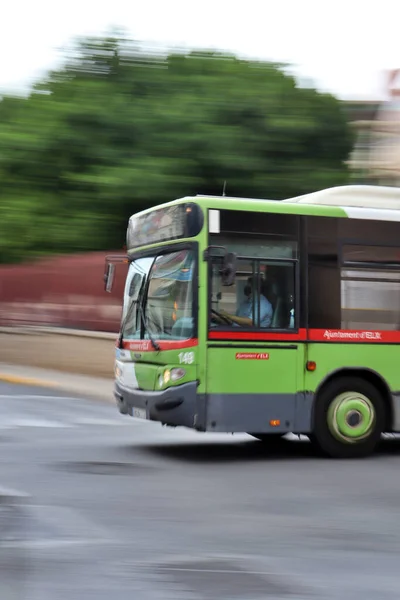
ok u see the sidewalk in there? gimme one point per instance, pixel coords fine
(83, 353)
(96, 388)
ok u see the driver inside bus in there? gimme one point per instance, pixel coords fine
(244, 316)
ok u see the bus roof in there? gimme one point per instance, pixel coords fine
(356, 196)
(351, 201)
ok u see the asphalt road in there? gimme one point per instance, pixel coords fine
(119, 509)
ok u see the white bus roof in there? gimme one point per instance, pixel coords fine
(353, 196)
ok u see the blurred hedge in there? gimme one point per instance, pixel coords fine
(119, 128)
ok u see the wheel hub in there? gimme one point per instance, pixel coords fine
(354, 418)
(351, 417)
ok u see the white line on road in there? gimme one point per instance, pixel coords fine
(37, 397)
(33, 422)
(99, 421)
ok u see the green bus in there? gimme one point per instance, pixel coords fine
(265, 317)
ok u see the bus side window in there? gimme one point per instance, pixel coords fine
(263, 295)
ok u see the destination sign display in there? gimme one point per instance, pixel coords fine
(164, 224)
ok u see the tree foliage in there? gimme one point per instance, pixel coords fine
(118, 129)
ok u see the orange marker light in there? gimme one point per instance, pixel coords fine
(311, 365)
(275, 422)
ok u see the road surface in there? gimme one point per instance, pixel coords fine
(118, 509)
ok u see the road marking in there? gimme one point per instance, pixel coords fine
(98, 421)
(118, 420)
(37, 397)
(27, 381)
(73, 422)
(32, 422)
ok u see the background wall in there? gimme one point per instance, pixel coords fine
(65, 292)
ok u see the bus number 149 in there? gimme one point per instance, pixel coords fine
(186, 358)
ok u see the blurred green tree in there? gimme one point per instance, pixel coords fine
(119, 128)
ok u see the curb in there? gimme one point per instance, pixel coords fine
(28, 381)
(37, 330)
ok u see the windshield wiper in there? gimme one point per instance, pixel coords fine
(124, 322)
(143, 319)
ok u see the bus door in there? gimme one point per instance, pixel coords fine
(254, 359)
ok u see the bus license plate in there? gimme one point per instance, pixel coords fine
(139, 413)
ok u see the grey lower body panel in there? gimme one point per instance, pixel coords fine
(253, 413)
(249, 413)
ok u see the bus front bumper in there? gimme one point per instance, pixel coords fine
(176, 406)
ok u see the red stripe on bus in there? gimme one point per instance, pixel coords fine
(261, 336)
(147, 346)
(343, 336)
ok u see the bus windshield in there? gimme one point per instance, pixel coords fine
(158, 298)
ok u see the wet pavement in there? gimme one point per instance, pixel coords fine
(122, 509)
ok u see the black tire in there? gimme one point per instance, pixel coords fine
(337, 446)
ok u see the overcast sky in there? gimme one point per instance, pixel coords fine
(343, 46)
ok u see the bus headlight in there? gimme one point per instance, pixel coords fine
(177, 374)
(171, 375)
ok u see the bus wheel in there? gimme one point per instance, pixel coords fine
(349, 418)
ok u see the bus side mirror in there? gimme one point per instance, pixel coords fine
(109, 277)
(111, 261)
(228, 272)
